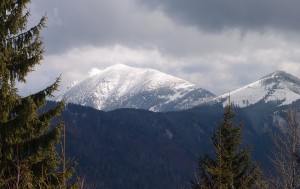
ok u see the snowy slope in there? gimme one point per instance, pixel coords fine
(279, 87)
(121, 86)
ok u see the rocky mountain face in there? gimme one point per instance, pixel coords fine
(121, 86)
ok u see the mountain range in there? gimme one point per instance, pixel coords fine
(121, 86)
(123, 135)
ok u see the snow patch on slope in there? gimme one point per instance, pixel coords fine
(279, 87)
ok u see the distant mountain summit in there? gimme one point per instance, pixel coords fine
(121, 86)
(277, 87)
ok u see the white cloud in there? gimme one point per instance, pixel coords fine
(218, 72)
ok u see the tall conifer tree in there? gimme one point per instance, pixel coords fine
(231, 167)
(28, 154)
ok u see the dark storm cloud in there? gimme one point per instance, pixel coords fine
(217, 15)
(74, 23)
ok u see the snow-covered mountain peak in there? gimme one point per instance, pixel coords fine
(278, 87)
(94, 71)
(117, 67)
(121, 74)
(121, 86)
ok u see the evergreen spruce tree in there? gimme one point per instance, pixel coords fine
(28, 153)
(231, 167)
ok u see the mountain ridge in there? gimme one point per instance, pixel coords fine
(277, 87)
(121, 86)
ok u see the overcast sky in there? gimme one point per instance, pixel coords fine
(220, 45)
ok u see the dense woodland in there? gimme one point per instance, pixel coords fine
(204, 147)
(142, 149)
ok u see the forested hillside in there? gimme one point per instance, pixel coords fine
(130, 148)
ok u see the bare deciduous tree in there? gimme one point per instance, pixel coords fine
(285, 153)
